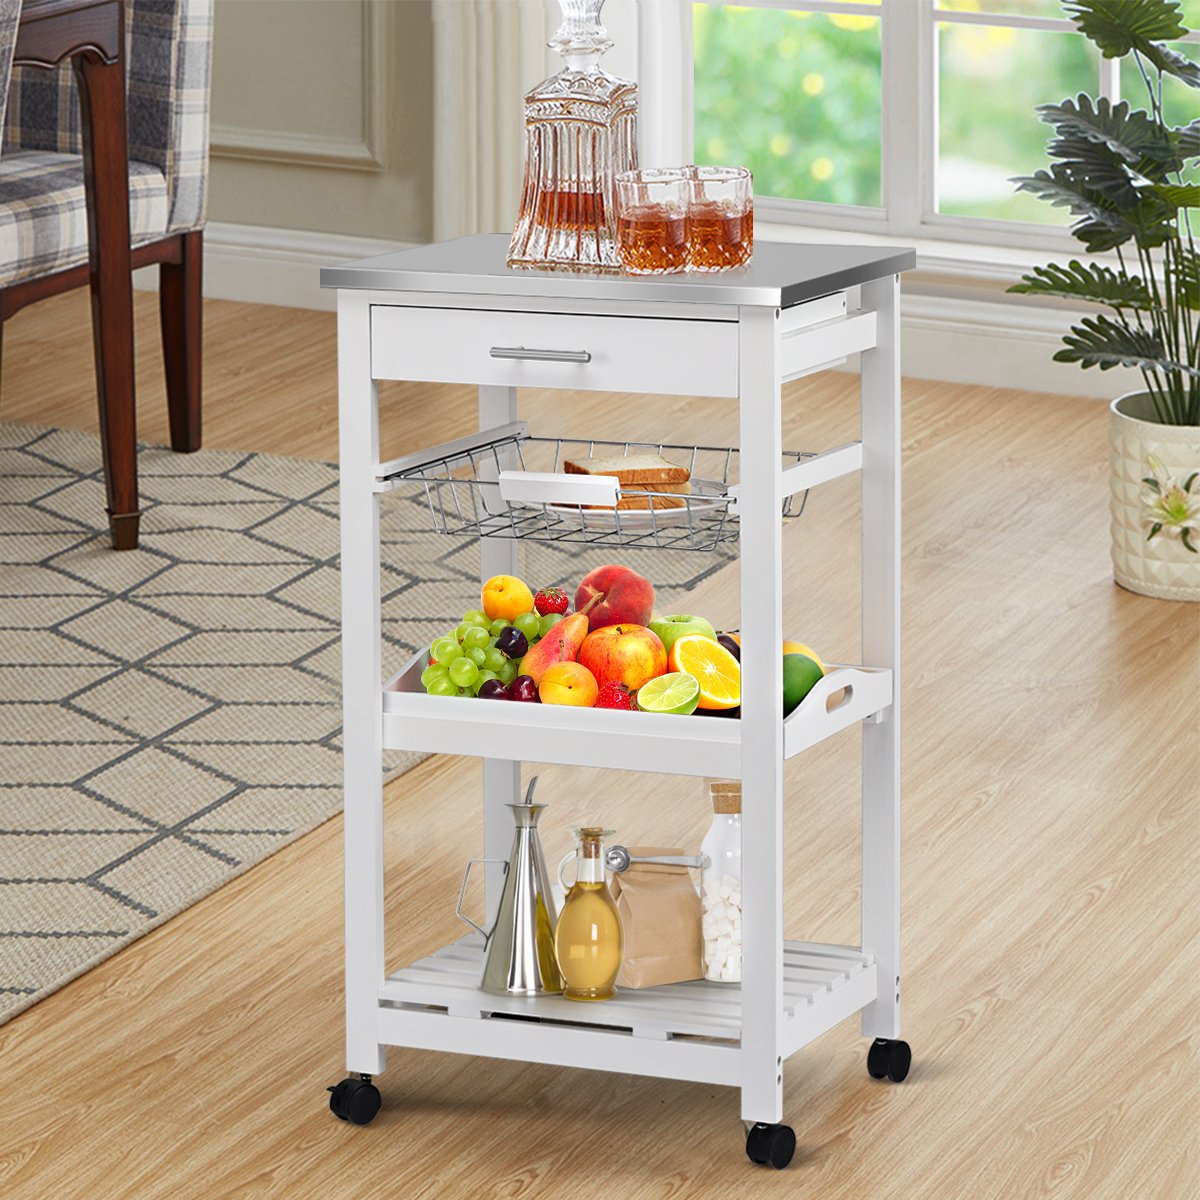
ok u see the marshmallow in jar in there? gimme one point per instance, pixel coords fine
(721, 885)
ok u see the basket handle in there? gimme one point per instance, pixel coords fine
(546, 487)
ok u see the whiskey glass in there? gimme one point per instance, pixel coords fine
(720, 217)
(652, 220)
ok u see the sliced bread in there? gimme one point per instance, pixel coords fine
(643, 469)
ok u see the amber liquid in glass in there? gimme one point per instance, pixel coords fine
(720, 238)
(589, 943)
(570, 210)
(653, 239)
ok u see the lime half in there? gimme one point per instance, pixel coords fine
(677, 693)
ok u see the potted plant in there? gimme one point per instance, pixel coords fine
(1123, 173)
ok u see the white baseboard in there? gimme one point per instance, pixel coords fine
(261, 264)
(998, 345)
(949, 337)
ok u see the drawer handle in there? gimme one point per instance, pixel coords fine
(571, 356)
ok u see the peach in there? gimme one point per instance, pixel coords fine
(505, 596)
(629, 654)
(626, 598)
(568, 683)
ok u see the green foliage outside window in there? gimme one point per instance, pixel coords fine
(793, 96)
(796, 97)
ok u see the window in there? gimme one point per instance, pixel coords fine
(901, 116)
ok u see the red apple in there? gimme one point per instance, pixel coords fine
(626, 597)
(628, 654)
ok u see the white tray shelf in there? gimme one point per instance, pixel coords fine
(438, 997)
(692, 745)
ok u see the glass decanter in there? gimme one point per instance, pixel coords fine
(580, 133)
(588, 940)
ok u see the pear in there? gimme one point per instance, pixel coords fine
(561, 644)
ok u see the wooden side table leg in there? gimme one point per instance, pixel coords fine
(106, 183)
(179, 302)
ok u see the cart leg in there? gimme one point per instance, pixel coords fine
(762, 731)
(881, 648)
(362, 735)
(501, 777)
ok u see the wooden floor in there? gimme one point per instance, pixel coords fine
(1050, 862)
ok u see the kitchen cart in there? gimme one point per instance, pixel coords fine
(453, 313)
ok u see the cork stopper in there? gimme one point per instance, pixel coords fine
(591, 839)
(726, 796)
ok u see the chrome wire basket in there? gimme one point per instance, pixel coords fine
(510, 485)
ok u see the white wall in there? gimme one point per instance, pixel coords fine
(320, 116)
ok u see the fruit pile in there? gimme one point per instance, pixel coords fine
(611, 652)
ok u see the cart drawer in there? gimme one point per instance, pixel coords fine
(674, 357)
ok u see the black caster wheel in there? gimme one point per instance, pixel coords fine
(890, 1059)
(770, 1145)
(356, 1099)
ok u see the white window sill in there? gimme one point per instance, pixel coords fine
(955, 263)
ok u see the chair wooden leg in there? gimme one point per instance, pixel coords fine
(179, 306)
(106, 178)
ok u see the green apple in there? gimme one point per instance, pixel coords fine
(670, 628)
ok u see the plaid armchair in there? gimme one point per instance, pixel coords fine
(43, 224)
(44, 245)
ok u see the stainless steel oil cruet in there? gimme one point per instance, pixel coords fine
(518, 956)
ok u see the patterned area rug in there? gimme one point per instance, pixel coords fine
(170, 716)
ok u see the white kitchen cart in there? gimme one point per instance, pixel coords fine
(453, 313)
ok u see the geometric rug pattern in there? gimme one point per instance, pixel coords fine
(170, 716)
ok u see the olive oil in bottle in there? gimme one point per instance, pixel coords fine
(588, 941)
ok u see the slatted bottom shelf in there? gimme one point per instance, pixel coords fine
(814, 976)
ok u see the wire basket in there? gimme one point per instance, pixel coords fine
(514, 486)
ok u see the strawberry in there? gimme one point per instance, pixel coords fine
(614, 694)
(550, 600)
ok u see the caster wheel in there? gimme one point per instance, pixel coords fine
(355, 1099)
(888, 1058)
(770, 1145)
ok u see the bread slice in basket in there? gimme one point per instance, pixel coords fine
(646, 480)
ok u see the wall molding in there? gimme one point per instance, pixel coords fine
(990, 343)
(365, 153)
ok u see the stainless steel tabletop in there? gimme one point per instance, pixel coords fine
(779, 275)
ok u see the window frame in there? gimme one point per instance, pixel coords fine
(909, 125)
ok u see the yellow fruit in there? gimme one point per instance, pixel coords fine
(790, 648)
(568, 683)
(505, 597)
(714, 668)
(807, 651)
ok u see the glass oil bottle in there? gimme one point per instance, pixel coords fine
(588, 941)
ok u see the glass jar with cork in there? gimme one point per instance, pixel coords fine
(721, 884)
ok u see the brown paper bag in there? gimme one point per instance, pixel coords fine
(660, 916)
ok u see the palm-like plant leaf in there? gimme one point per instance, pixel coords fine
(1177, 195)
(1101, 342)
(1105, 170)
(1174, 63)
(1187, 137)
(1187, 277)
(1061, 187)
(1107, 175)
(1132, 136)
(1119, 26)
(1079, 281)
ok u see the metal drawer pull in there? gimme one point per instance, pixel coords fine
(572, 356)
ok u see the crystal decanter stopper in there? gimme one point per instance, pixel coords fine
(580, 132)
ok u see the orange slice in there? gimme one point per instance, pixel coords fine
(716, 670)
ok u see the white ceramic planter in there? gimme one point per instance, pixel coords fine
(1161, 566)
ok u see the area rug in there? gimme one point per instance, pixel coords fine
(170, 716)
